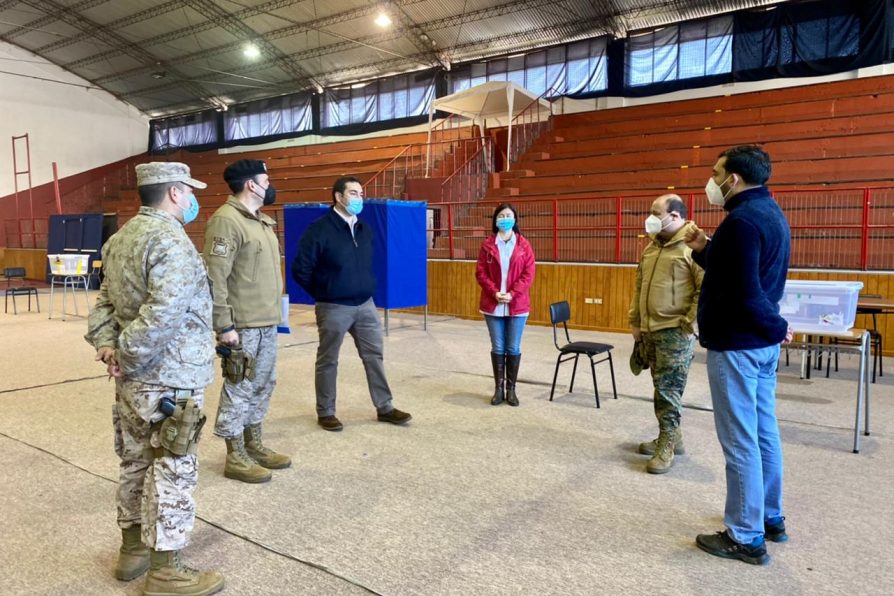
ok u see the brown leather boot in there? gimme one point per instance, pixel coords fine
(133, 556)
(240, 465)
(168, 576)
(265, 456)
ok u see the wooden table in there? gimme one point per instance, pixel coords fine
(863, 349)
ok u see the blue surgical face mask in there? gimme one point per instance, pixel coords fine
(355, 205)
(190, 214)
(505, 224)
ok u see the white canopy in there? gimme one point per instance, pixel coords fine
(495, 99)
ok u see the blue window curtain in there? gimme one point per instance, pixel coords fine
(570, 69)
(199, 129)
(392, 98)
(689, 50)
(279, 116)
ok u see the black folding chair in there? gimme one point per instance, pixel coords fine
(11, 273)
(560, 312)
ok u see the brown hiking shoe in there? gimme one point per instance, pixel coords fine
(240, 466)
(133, 557)
(262, 454)
(168, 576)
(649, 447)
(330, 423)
(663, 459)
(395, 416)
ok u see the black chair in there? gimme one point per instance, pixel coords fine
(560, 312)
(11, 273)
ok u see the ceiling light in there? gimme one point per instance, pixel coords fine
(383, 20)
(251, 51)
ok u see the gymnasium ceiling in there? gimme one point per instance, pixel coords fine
(175, 56)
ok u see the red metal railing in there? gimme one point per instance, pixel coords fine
(528, 125)
(439, 159)
(839, 229)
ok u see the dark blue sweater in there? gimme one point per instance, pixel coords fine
(332, 266)
(745, 267)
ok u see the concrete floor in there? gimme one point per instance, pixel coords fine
(547, 498)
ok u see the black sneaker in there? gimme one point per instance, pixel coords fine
(395, 416)
(774, 530)
(722, 545)
(330, 423)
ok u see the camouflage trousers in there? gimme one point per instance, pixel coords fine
(246, 403)
(669, 353)
(153, 492)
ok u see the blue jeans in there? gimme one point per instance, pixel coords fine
(743, 391)
(505, 333)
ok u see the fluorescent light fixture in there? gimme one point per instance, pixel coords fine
(251, 51)
(383, 20)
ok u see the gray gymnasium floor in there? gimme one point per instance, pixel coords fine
(547, 498)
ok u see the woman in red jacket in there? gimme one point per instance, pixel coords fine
(505, 273)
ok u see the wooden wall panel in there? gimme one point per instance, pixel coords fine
(32, 259)
(454, 291)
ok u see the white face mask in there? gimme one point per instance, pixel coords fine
(715, 194)
(654, 224)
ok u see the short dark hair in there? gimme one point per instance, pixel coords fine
(151, 195)
(676, 204)
(748, 161)
(502, 206)
(341, 184)
(237, 186)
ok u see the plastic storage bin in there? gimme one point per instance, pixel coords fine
(69, 264)
(820, 305)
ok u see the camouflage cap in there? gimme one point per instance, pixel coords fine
(159, 172)
(638, 360)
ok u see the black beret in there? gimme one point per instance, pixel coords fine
(244, 169)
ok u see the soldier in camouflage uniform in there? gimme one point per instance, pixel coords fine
(242, 254)
(152, 328)
(662, 314)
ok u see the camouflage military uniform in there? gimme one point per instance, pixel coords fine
(664, 307)
(154, 310)
(246, 403)
(244, 264)
(669, 354)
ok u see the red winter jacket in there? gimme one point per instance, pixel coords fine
(518, 279)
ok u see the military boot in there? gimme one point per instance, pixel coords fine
(240, 465)
(133, 557)
(262, 454)
(649, 447)
(663, 459)
(168, 576)
(512, 362)
(498, 362)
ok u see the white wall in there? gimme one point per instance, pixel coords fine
(79, 129)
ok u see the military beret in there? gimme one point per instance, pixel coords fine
(159, 172)
(244, 169)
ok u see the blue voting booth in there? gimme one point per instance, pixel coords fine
(399, 250)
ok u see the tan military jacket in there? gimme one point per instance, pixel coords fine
(154, 305)
(242, 254)
(667, 285)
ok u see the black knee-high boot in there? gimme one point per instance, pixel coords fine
(512, 362)
(499, 363)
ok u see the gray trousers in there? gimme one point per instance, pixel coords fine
(246, 403)
(362, 322)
